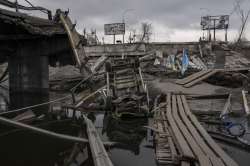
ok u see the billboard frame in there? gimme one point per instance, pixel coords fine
(114, 29)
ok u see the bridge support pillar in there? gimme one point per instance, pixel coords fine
(29, 77)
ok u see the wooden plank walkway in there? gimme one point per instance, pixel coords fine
(211, 143)
(203, 160)
(191, 144)
(186, 151)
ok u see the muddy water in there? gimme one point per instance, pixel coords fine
(135, 146)
(135, 142)
(24, 148)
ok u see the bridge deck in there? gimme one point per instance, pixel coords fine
(10, 20)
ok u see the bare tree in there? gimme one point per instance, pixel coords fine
(146, 32)
(243, 18)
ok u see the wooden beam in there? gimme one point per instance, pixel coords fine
(245, 103)
(197, 80)
(202, 158)
(192, 77)
(180, 140)
(226, 108)
(99, 154)
(197, 137)
(228, 161)
(42, 131)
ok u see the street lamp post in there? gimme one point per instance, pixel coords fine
(123, 21)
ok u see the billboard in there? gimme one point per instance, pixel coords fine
(215, 22)
(114, 29)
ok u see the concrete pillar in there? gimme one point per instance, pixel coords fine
(29, 76)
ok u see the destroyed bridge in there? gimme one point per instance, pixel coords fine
(30, 45)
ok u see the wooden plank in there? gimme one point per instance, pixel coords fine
(226, 107)
(202, 158)
(186, 152)
(170, 140)
(198, 63)
(76, 44)
(98, 63)
(124, 81)
(200, 78)
(83, 97)
(235, 69)
(197, 137)
(73, 37)
(212, 96)
(228, 161)
(200, 49)
(124, 77)
(192, 77)
(246, 108)
(126, 85)
(99, 153)
(40, 131)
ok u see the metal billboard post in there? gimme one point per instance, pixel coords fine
(215, 22)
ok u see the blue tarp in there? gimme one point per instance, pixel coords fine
(185, 61)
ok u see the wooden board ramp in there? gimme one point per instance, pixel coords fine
(235, 69)
(192, 77)
(195, 81)
(196, 78)
(182, 140)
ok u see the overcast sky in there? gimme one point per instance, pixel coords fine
(172, 20)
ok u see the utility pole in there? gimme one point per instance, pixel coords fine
(16, 2)
(124, 31)
(130, 37)
(214, 30)
(226, 35)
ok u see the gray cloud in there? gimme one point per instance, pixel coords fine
(172, 14)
